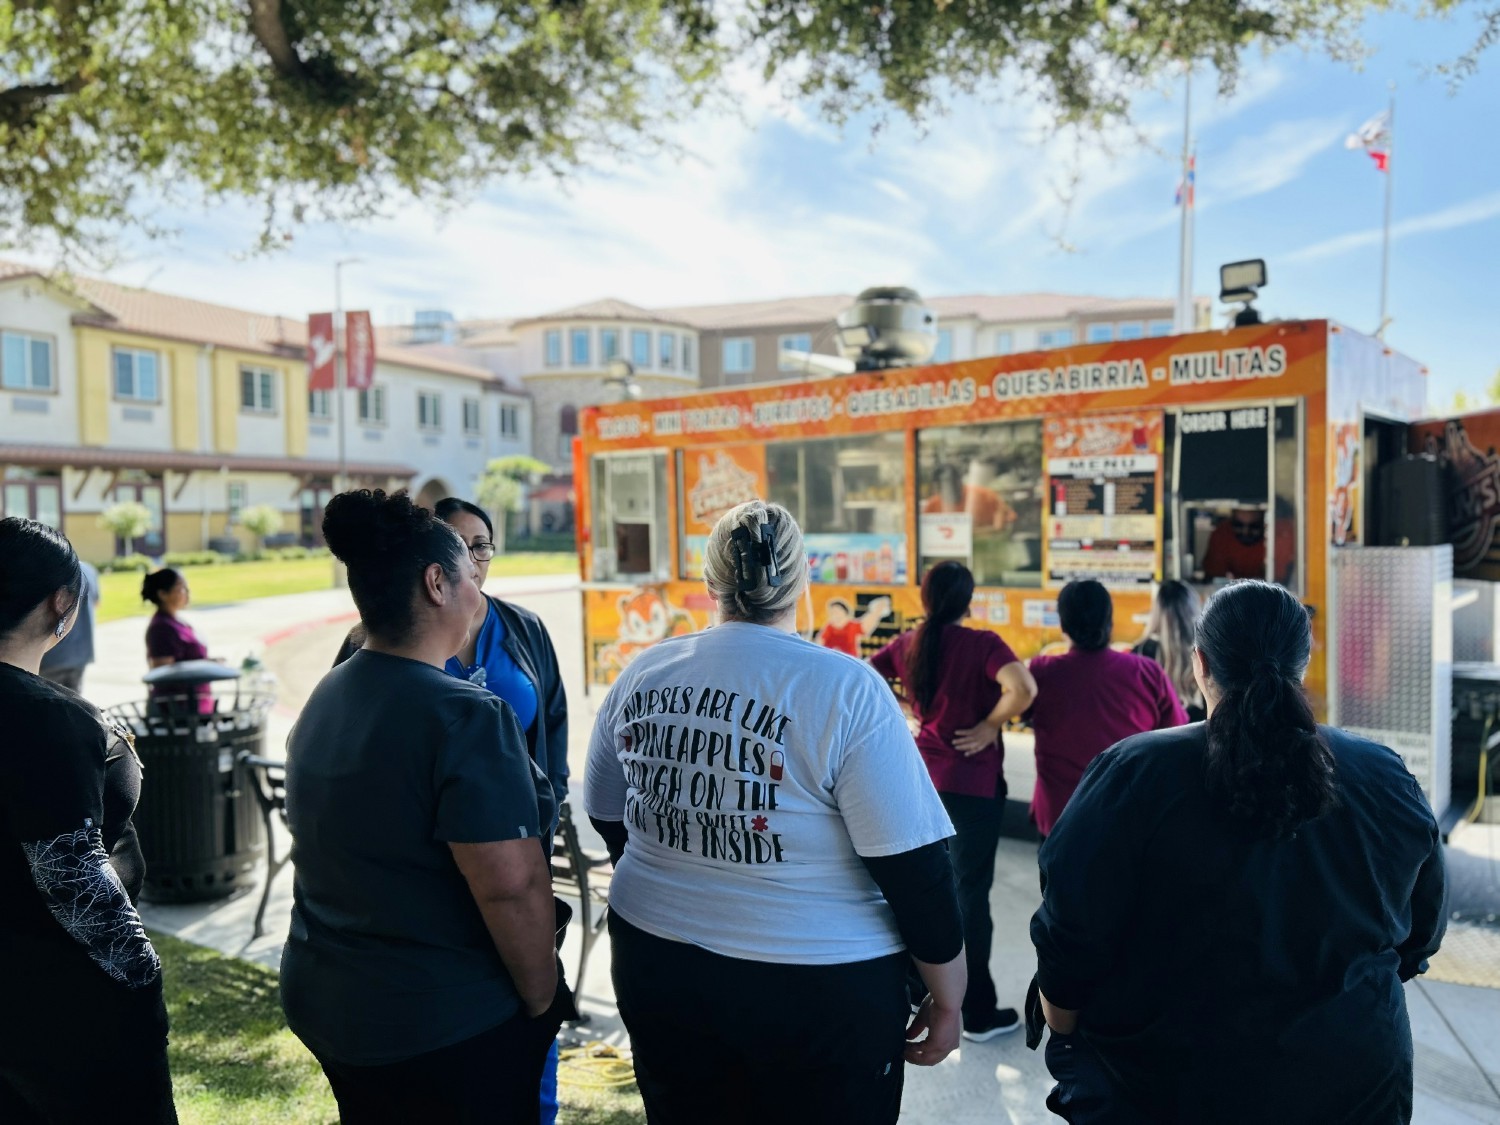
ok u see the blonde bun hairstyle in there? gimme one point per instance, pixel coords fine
(755, 564)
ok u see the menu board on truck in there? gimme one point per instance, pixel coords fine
(715, 480)
(1104, 498)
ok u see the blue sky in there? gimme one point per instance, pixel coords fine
(771, 203)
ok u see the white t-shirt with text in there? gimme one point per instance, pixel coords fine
(752, 770)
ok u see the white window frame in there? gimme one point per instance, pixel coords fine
(1158, 328)
(429, 412)
(1131, 330)
(262, 389)
(585, 337)
(796, 342)
(640, 348)
(473, 418)
(28, 382)
(942, 351)
(134, 393)
(609, 344)
(510, 420)
(233, 507)
(687, 352)
(1099, 334)
(369, 406)
(552, 347)
(320, 406)
(666, 351)
(745, 346)
(1055, 338)
(1005, 343)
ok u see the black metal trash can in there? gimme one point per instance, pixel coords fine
(197, 820)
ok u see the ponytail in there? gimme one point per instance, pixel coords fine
(1268, 766)
(947, 590)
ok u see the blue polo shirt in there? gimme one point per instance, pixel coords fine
(494, 670)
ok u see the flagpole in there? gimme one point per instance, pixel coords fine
(1185, 234)
(1385, 251)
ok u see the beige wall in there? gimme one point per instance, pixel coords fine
(767, 349)
(91, 541)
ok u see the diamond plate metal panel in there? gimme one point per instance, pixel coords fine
(1392, 655)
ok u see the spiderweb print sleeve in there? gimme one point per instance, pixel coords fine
(86, 897)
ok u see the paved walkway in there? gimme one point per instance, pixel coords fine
(1456, 1027)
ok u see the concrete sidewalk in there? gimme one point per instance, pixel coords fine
(1456, 1027)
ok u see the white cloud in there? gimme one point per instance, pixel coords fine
(1478, 210)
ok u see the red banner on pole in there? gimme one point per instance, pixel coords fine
(320, 352)
(359, 353)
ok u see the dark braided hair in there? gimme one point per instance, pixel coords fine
(1267, 763)
(947, 590)
(387, 542)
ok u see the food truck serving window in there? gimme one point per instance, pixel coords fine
(848, 494)
(1234, 477)
(630, 517)
(980, 500)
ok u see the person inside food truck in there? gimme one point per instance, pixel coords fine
(1237, 547)
(955, 493)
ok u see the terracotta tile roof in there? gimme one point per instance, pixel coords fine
(607, 309)
(170, 317)
(59, 456)
(762, 314)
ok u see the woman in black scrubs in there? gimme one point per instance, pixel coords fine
(83, 1028)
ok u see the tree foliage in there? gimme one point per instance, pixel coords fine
(128, 520)
(334, 108)
(261, 521)
(502, 486)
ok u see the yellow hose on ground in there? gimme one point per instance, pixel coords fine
(595, 1066)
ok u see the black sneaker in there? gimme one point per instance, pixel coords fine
(1002, 1021)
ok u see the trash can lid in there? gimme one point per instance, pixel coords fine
(191, 672)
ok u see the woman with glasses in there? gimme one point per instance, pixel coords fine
(508, 652)
(83, 1029)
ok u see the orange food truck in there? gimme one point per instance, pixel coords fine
(1128, 462)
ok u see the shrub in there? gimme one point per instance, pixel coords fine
(261, 521)
(129, 520)
(125, 562)
(194, 558)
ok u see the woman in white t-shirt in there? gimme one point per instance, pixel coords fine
(780, 859)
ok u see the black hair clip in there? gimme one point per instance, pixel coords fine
(751, 559)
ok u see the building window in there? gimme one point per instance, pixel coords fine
(687, 353)
(1004, 343)
(471, 416)
(609, 344)
(510, 422)
(320, 405)
(257, 390)
(666, 350)
(640, 349)
(943, 353)
(234, 500)
(372, 406)
(135, 375)
(25, 362)
(578, 347)
(801, 342)
(567, 430)
(1132, 330)
(1101, 333)
(429, 411)
(1160, 328)
(739, 355)
(554, 347)
(1055, 338)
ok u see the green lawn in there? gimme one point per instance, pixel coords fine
(235, 1063)
(120, 594)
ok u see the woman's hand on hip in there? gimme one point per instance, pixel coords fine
(943, 1027)
(976, 738)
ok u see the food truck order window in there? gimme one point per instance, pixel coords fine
(1234, 478)
(980, 500)
(630, 517)
(849, 496)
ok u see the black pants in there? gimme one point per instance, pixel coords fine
(1085, 1093)
(976, 823)
(734, 1042)
(494, 1078)
(97, 1054)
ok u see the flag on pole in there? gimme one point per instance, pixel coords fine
(1186, 187)
(359, 347)
(1374, 136)
(320, 352)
